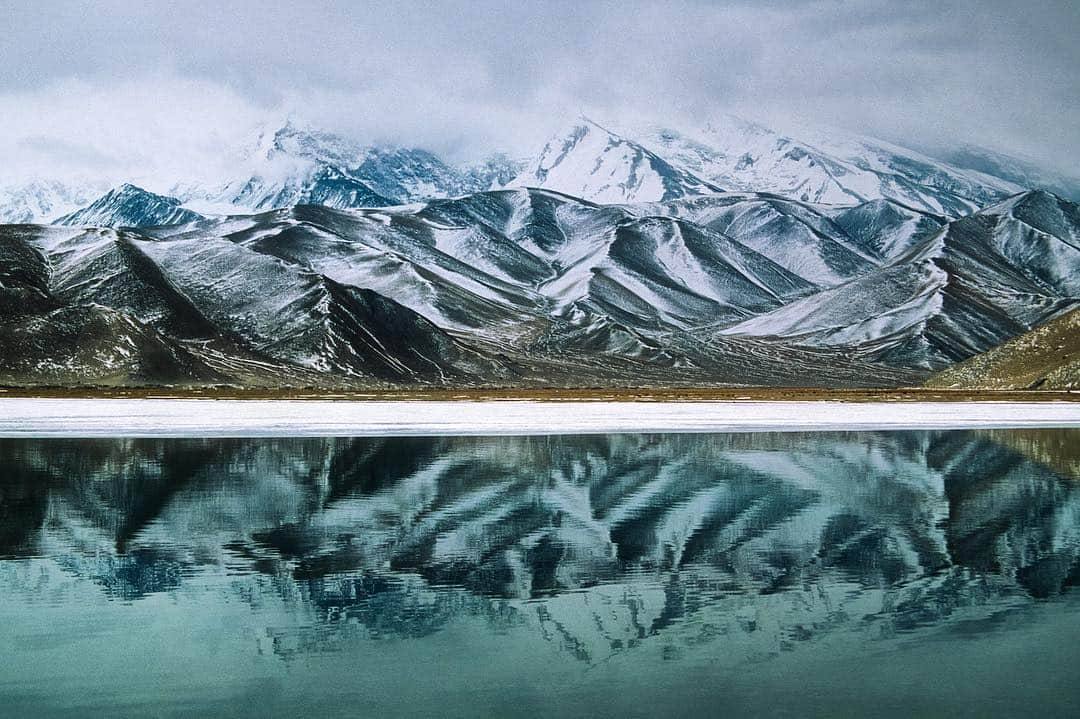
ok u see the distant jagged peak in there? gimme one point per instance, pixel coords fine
(130, 188)
(822, 166)
(293, 139)
(1017, 168)
(580, 130)
(590, 161)
(41, 200)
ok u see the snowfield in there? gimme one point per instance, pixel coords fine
(22, 417)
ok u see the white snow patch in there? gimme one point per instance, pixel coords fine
(23, 417)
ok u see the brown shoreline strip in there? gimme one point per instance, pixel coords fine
(553, 394)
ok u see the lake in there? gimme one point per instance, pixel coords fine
(888, 573)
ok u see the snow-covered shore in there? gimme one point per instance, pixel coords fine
(23, 417)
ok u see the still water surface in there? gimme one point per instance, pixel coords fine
(795, 574)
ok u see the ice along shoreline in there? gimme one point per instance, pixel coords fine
(54, 417)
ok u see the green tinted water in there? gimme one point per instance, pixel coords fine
(830, 574)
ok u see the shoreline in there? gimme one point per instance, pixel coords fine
(674, 394)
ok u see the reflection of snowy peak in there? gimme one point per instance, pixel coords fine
(932, 520)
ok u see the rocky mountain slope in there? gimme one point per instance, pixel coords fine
(130, 206)
(609, 261)
(1047, 357)
(973, 284)
(535, 288)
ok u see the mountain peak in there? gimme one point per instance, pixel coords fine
(128, 188)
(594, 163)
(129, 205)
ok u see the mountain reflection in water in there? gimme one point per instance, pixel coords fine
(564, 557)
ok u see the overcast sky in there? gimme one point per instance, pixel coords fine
(124, 88)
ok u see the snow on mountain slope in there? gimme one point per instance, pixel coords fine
(546, 287)
(975, 283)
(43, 201)
(877, 308)
(793, 235)
(595, 164)
(885, 227)
(130, 206)
(317, 185)
(660, 270)
(535, 273)
(304, 318)
(291, 165)
(535, 251)
(220, 299)
(825, 168)
(97, 266)
(394, 254)
(46, 340)
(412, 174)
(491, 173)
(1018, 171)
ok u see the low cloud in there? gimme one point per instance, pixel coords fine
(140, 90)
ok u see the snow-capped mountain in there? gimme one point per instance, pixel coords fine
(1024, 173)
(130, 206)
(824, 167)
(609, 261)
(606, 164)
(973, 284)
(291, 165)
(44, 201)
(533, 287)
(593, 163)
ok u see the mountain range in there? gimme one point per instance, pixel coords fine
(734, 255)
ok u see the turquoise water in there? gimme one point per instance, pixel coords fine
(799, 574)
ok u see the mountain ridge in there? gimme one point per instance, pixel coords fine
(527, 287)
(291, 164)
(604, 263)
